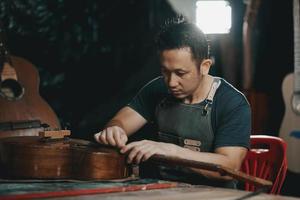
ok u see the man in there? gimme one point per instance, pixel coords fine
(199, 117)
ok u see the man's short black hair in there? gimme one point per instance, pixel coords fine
(177, 33)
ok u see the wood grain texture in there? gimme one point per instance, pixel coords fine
(224, 171)
(31, 106)
(28, 157)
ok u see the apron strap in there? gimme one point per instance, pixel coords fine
(209, 100)
(215, 85)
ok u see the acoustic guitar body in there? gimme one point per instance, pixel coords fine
(29, 107)
(28, 157)
(290, 127)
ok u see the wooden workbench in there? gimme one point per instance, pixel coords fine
(147, 189)
(181, 193)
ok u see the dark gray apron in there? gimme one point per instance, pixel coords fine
(189, 126)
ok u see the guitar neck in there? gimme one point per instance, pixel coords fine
(248, 25)
(168, 160)
(6, 69)
(296, 12)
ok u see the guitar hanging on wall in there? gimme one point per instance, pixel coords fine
(23, 112)
(258, 100)
(290, 127)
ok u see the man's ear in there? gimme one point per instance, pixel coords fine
(205, 66)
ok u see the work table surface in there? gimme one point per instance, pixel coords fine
(145, 189)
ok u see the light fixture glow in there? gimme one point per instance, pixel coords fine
(213, 16)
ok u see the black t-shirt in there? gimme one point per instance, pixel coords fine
(231, 115)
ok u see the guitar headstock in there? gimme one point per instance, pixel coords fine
(10, 88)
(251, 11)
(3, 49)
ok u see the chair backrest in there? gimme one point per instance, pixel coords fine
(266, 159)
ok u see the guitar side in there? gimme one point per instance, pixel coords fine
(30, 107)
(290, 126)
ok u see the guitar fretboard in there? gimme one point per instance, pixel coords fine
(296, 16)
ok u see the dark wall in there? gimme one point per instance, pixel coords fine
(93, 56)
(274, 55)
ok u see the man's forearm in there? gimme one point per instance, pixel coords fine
(115, 122)
(128, 120)
(120, 124)
(209, 158)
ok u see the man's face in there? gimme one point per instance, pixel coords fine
(180, 71)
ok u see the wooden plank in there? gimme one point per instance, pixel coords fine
(75, 189)
(55, 134)
(181, 193)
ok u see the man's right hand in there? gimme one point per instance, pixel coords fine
(114, 136)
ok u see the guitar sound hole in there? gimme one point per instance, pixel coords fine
(11, 89)
(296, 103)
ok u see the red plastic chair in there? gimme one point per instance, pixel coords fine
(266, 159)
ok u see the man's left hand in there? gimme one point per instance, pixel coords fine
(143, 150)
